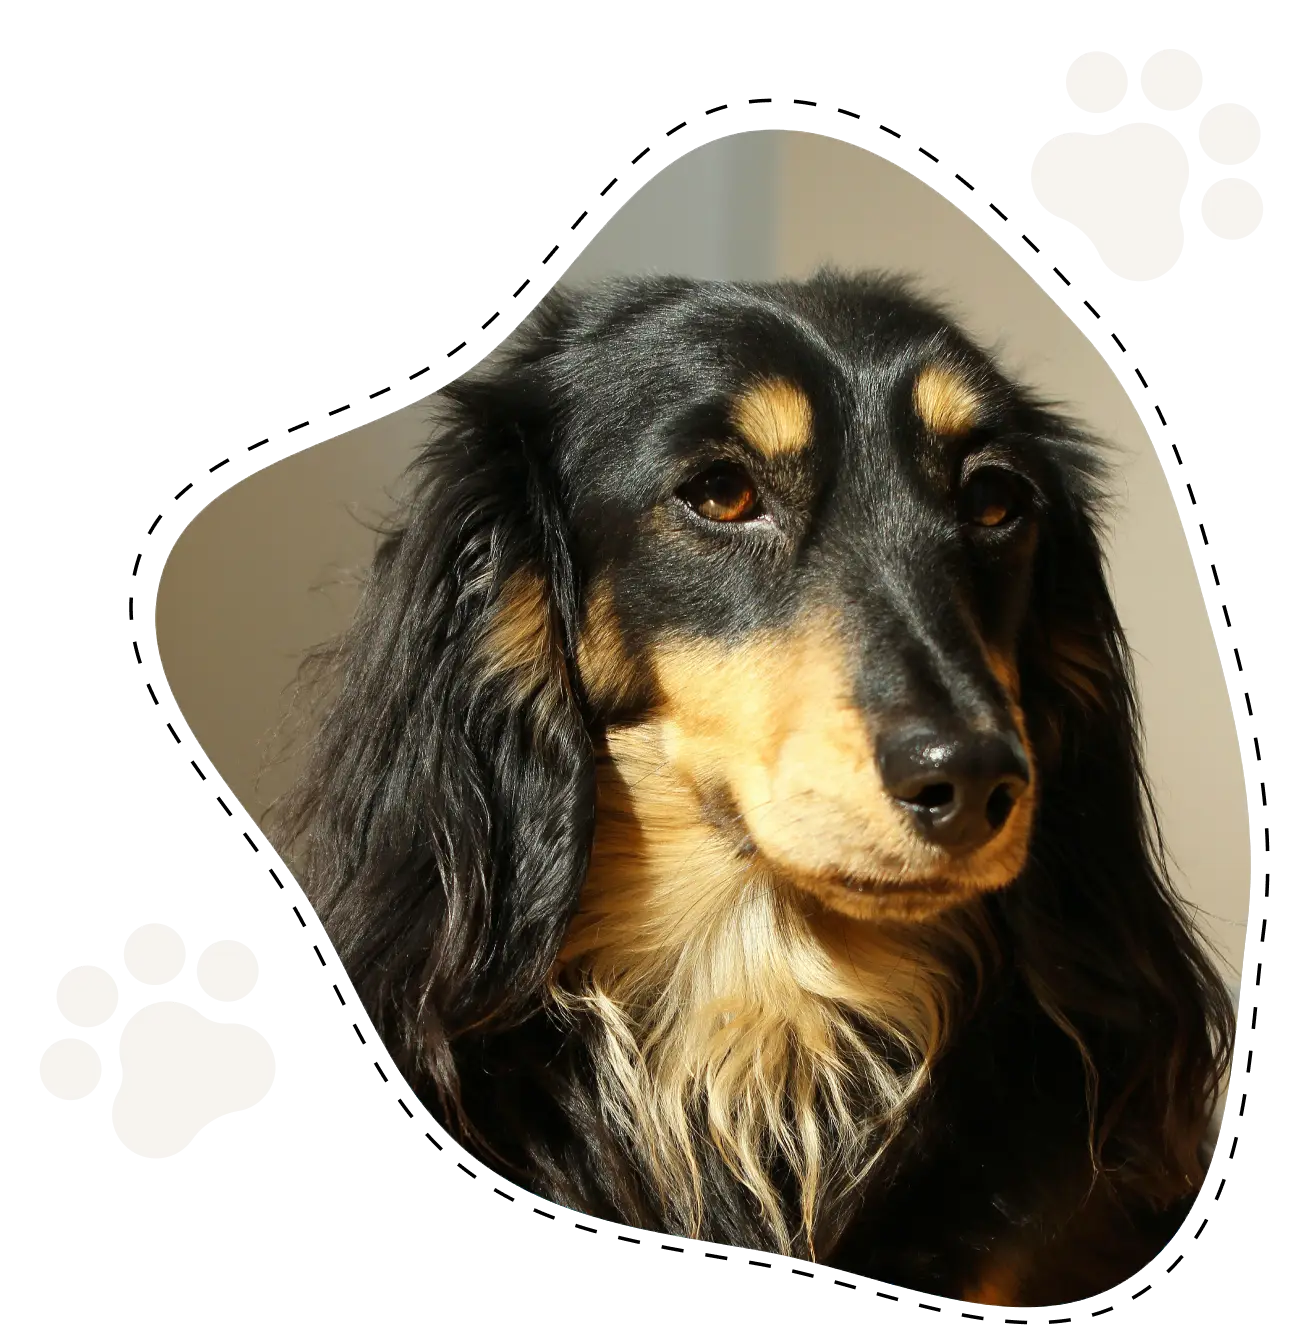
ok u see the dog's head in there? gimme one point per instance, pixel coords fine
(807, 521)
(804, 550)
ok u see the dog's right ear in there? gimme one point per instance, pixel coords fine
(443, 823)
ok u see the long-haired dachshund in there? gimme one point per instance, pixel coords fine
(731, 809)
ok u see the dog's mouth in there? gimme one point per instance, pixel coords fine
(898, 888)
(858, 895)
(858, 885)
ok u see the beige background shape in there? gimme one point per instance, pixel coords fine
(263, 573)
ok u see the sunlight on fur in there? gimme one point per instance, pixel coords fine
(737, 1011)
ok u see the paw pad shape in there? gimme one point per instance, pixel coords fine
(181, 1070)
(1124, 188)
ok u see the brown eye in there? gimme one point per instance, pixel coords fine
(992, 497)
(723, 493)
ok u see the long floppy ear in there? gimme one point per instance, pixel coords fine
(444, 820)
(1104, 941)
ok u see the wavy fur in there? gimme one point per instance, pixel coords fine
(586, 972)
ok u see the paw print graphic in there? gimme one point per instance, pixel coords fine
(1124, 188)
(181, 1070)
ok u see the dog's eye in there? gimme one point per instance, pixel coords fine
(992, 497)
(723, 493)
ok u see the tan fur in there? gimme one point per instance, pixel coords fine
(606, 670)
(735, 1007)
(998, 1286)
(761, 932)
(1080, 668)
(1003, 666)
(774, 417)
(772, 724)
(945, 401)
(521, 641)
(761, 935)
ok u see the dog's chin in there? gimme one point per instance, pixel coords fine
(897, 894)
(876, 899)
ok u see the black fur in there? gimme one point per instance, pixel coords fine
(444, 822)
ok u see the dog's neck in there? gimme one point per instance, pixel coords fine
(735, 1007)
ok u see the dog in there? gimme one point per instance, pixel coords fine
(729, 804)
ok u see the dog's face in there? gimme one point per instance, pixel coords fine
(807, 532)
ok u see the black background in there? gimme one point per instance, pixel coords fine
(324, 273)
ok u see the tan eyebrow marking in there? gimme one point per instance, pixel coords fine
(774, 417)
(945, 401)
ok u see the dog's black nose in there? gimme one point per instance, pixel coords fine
(958, 785)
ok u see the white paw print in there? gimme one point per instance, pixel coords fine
(181, 1070)
(1124, 188)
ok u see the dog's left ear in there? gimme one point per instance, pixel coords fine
(444, 820)
(1104, 940)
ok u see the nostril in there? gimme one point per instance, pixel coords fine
(998, 806)
(934, 796)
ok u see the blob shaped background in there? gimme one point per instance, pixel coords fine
(268, 571)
